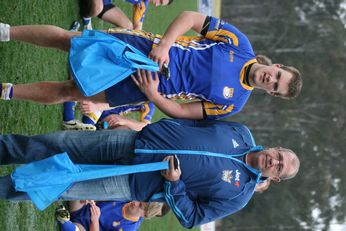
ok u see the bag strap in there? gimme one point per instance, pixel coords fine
(134, 58)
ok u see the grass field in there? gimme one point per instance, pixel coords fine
(22, 63)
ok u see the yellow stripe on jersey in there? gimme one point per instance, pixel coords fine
(139, 33)
(219, 35)
(180, 96)
(242, 74)
(138, 11)
(216, 109)
(187, 40)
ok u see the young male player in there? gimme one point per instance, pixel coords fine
(218, 68)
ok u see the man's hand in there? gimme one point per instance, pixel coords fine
(171, 174)
(160, 55)
(146, 83)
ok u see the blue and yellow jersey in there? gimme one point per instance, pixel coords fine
(140, 8)
(112, 217)
(211, 68)
(146, 111)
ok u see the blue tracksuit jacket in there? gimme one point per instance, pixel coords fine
(215, 182)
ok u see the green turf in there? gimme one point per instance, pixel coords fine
(22, 63)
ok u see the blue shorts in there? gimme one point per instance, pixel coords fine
(126, 91)
(123, 93)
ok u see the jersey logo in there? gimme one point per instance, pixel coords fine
(235, 144)
(231, 56)
(237, 178)
(227, 176)
(228, 92)
(116, 223)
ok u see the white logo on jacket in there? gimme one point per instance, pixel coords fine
(235, 144)
(227, 176)
(237, 178)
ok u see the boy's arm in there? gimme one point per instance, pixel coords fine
(149, 85)
(116, 121)
(95, 214)
(181, 24)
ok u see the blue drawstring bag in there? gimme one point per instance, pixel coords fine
(46, 180)
(99, 60)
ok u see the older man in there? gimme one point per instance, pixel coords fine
(220, 165)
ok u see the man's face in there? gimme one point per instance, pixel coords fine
(159, 2)
(137, 208)
(274, 163)
(272, 79)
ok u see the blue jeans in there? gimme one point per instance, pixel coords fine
(100, 147)
(83, 147)
(110, 188)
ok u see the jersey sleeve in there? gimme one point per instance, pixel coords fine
(217, 30)
(147, 112)
(217, 111)
(139, 10)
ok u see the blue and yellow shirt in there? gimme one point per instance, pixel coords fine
(211, 68)
(112, 217)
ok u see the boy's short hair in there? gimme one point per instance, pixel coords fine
(296, 84)
(156, 209)
(262, 59)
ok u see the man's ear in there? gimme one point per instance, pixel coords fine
(275, 178)
(278, 64)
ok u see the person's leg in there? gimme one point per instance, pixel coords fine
(53, 92)
(89, 9)
(69, 121)
(68, 112)
(6, 91)
(69, 106)
(110, 188)
(102, 147)
(41, 35)
(115, 16)
(92, 117)
(86, 125)
(8, 192)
